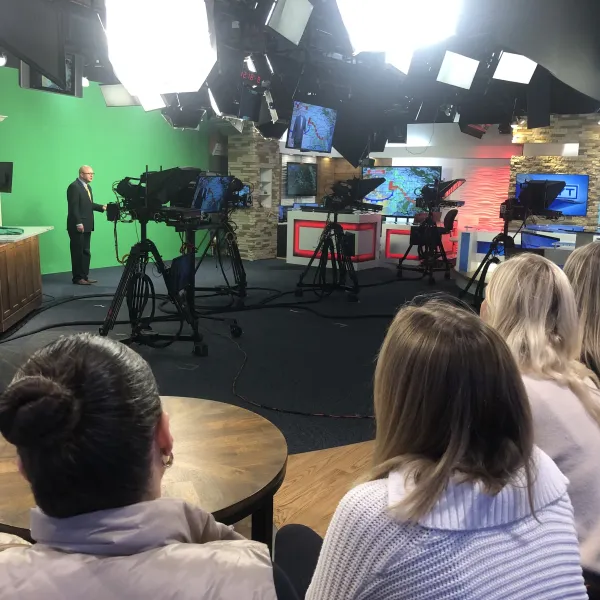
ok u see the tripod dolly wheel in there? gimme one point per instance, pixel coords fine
(200, 350)
(236, 331)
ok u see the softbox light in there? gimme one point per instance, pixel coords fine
(159, 47)
(458, 70)
(515, 68)
(289, 18)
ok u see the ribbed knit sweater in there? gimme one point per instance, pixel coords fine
(471, 546)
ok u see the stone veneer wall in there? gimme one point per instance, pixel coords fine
(249, 152)
(564, 129)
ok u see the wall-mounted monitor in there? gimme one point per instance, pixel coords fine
(301, 179)
(212, 193)
(29, 78)
(6, 177)
(572, 201)
(401, 188)
(311, 128)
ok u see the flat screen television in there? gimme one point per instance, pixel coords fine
(31, 79)
(572, 201)
(401, 188)
(6, 177)
(311, 128)
(301, 179)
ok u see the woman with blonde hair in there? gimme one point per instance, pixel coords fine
(530, 302)
(583, 270)
(459, 505)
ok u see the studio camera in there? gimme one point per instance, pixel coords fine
(433, 197)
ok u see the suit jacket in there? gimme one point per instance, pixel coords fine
(81, 208)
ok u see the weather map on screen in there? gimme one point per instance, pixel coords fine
(401, 188)
(311, 128)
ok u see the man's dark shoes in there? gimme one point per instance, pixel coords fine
(82, 282)
(92, 280)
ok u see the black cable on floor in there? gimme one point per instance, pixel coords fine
(284, 411)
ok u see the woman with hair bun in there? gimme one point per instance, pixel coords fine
(93, 442)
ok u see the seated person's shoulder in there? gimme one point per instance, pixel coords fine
(365, 504)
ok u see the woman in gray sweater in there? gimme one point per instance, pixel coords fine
(530, 302)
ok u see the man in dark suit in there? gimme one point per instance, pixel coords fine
(298, 131)
(80, 224)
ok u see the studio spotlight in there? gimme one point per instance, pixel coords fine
(3, 59)
(250, 64)
(424, 23)
(152, 102)
(289, 18)
(458, 70)
(515, 68)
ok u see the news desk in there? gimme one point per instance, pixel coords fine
(20, 275)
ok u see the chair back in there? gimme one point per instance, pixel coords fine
(449, 220)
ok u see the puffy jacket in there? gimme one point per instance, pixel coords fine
(164, 549)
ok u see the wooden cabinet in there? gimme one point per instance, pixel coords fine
(20, 280)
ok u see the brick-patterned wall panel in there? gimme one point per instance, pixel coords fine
(565, 129)
(249, 152)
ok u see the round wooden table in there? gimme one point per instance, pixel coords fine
(228, 460)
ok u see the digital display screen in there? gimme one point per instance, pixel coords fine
(311, 128)
(301, 179)
(211, 193)
(401, 188)
(572, 201)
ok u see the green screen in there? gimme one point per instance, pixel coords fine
(48, 137)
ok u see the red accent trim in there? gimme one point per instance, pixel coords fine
(347, 226)
(388, 252)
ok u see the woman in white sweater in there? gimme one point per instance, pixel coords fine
(530, 302)
(460, 505)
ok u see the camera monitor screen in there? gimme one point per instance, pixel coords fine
(211, 195)
(572, 201)
(401, 188)
(311, 128)
(301, 179)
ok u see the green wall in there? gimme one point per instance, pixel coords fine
(49, 136)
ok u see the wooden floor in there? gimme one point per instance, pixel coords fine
(316, 482)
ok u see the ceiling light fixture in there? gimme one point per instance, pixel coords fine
(368, 32)
(269, 64)
(182, 60)
(213, 104)
(458, 70)
(3, 59)
(250, 64)
(85, 82)
(515, 68)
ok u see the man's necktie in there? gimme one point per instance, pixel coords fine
(87, 187)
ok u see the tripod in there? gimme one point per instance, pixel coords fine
(427, 237)
(221, 235)
(137, 289)
(491, 258)
(334, 244)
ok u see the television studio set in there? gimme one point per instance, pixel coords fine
(203, 202)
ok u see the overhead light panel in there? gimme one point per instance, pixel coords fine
(117, 95)
(250, 64)
(424, 23)
(152, 102)
(213, 104)
(515, 68)
(154, 50)
(269, 64)
(289, 18)
(458, 70)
